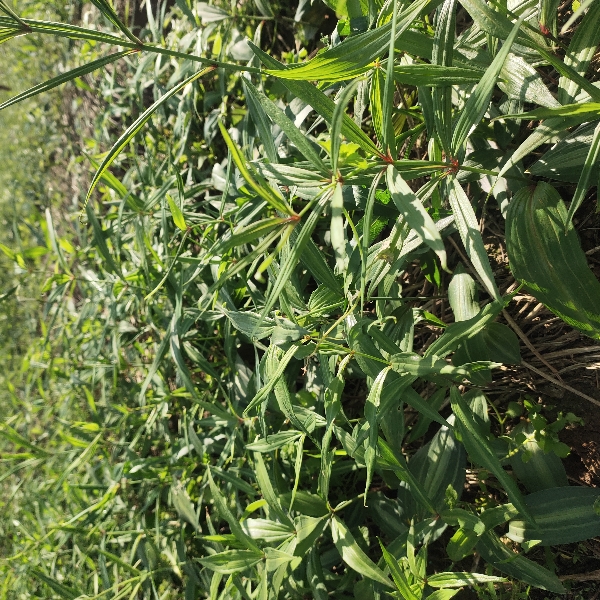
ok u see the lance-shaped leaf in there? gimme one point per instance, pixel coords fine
(274, 442)
(297, 137)
(480, 451)
(322, 104)
(254, 180)
(371, 409)
(292, 259)
(454, 580)
(494, 552)
(135, 127)
(456, 333)
(337, 229)
(355, 54)
(436, 75)
(581, 50)
(353, 556)
(443, 50)
(109, 12)
(11, 13)
(468, 227)
(225, 513)
(587, 111)
(477, 103)
(231, 561)
(564, 515)
(415, 214)
(398, 575)
(550, 262)
(590, 164)
(64, 77)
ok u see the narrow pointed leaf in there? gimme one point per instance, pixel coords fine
(136, 126)
(480, 450)
(478, 102)
(225, 513)
(353, 556)
(355, 54)
(468, 227)
(591, 163)
(297, 137)
(414, 212)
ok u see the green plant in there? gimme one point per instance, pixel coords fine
(234, 327)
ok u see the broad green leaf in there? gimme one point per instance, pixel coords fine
(308, 530)
(481, 452)
(278, 362)
(536, 469)
(234, 525)
(316, 579)
(276, 558)
(565, 161)
(266, 487)
(520, 81)
(462, 295)
(494, 552)
(336, 124)
(437, 465)
(183, 505)
(550, 262)
(564, 515)
(293, 258)
(468, 227)
(461, 544)
(415, 214)
(261, 123)
(400, 468)
(306, 503)
(136, 126)
(353, 556)
(64, 77)
(231, 561)
(478, 101)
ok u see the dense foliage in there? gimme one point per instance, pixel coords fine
(237, 389)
